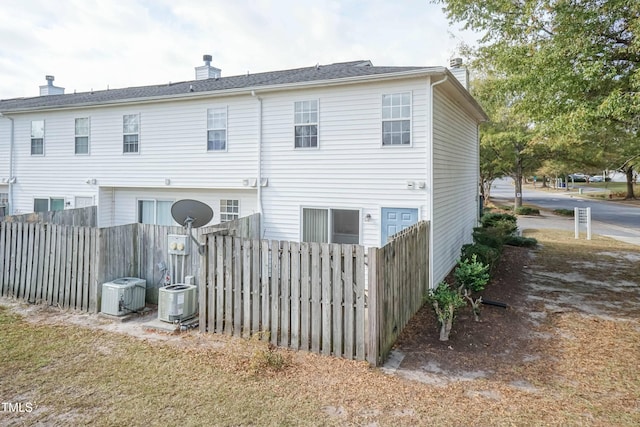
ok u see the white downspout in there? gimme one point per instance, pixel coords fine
(430, 179)
(10, 179)
(259, 180)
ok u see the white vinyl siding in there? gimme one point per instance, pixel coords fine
(217, 129)
(37, 138)
(306, 124)
(396, 119)
(349, 169)
(455, 183)
(81, 142)
(130, 133)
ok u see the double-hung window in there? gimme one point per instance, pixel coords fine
(82, 136)
(331, 225)
(306, 124)
(229, 210)
(37, 138)
(217, 129)
(396, 119)
(130, 133)
(153, 211)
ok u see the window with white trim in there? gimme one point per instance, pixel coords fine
(48, 204)
(37, 138)
(396, 119)
(229, 210)
(82, 136)
(217, 129)
(306, 124)
(331, 225)
(130, 133)
(158, 212)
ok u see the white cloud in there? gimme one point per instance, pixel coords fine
(119, 43)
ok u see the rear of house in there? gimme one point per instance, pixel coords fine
(342, 153)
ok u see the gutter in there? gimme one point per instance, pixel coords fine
(430, 177)
(11, 179)
(259, 165)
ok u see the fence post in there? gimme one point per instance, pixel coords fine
(372, 307)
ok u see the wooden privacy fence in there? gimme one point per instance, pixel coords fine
(306, 296)
(49, 263)
(82, 217)
(315, 296)
(398, 282)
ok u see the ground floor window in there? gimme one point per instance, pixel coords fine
(229, 210)
(331, 225)
(158, 212)
(48, 204)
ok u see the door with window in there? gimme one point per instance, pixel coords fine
(395, 220)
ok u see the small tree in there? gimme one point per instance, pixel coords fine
(445, 301)
(471, 276)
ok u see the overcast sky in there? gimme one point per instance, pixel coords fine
(89, 44)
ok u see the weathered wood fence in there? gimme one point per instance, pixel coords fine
(66, 266)
(306, 296)
(49, 263)
(312, 296)
(82, 217)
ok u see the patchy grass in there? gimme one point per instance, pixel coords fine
(77, 375)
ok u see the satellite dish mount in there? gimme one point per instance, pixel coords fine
(192, 214)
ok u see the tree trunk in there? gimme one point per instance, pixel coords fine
(544, 181)
(445, 329)
(630, 193)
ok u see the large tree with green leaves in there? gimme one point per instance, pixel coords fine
(572, 66)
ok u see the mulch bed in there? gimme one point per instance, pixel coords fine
(501, 339)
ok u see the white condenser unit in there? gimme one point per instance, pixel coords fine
(177, 302)
(124, 295)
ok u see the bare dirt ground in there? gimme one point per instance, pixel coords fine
(537, 287)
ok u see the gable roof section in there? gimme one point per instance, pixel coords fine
(332, 73)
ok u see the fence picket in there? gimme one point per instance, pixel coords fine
(3, 256)
(275, 291)
(338, 297)
(285, 289)
(305, 296)
(237, 286)
(256, 315)
(326, 294)
(246, 287)
(264, 289)
(295, 295)
(316, 298)
(349, 317)
(228, 285)
(360, 319)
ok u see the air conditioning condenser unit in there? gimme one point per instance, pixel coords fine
(177, 302)
(124, 295)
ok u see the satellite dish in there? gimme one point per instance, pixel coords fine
(192, 214)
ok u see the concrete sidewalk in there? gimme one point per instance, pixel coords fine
(557, 222)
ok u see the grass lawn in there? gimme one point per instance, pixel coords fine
(78, 375)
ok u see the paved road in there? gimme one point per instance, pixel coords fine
(609, 219)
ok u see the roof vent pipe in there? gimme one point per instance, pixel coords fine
(50, 80)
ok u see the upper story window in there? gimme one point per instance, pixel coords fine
(217, 129)
(396, 119)
(82, 136)
(306, 124)
(130, 133)
(229, 210)
(37, 138)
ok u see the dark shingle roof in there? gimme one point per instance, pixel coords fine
(250, 81)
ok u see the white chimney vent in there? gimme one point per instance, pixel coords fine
(206, 71)
(49, 88)
(455, 63)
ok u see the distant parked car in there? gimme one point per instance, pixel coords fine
(596, 178)
(578, 177)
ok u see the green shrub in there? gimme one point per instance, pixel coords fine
(471, 274)
(564, 212)
(485, 254)
(527, 210)
(491, 219)
(445, 301)
(492, 237)
(526, 242)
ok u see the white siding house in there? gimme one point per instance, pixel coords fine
(344, 152)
